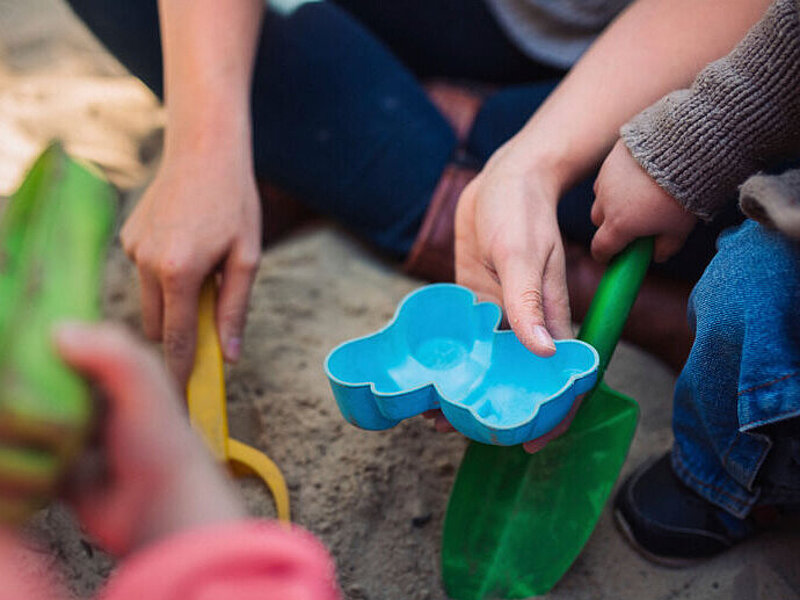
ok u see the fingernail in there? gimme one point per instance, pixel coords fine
(233, 349)
(542, 337)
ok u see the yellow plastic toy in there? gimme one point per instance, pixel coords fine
(207, 407)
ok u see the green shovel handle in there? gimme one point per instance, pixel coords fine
(614, 298)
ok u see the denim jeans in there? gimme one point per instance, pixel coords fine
(341, 120)
(737, 400)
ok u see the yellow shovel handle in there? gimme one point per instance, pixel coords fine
(253, 462)
(205, 392)
(207, 406)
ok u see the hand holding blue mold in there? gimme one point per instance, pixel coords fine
(443, 350)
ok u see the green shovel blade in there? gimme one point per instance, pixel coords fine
(516, 522)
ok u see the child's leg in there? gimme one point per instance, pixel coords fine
(737, 406)
(744, 369)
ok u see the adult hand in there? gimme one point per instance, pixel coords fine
(442, 425)
(629, 204)
(201, 214)
(160, 480)
(509, 249)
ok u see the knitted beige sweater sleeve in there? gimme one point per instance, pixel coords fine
(742, 112)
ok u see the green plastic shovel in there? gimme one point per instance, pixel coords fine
(516, 522)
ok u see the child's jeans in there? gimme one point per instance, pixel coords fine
(737, 401)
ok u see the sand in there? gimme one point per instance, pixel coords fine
(377, 499)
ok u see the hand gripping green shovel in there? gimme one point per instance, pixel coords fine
(515, 522)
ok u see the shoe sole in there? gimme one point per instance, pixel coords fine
(670, 562)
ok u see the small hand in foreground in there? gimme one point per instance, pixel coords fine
(161, 479)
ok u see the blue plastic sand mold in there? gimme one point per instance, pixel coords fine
(443, 350)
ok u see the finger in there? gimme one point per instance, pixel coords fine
(129, 375)
(556, 297)
(597, 215)
(143, 403)
(152, 304)
(237, 281)
(442, 425)
(483, 281)
(523, 299)
(537, 444)
(607, 243)
(665, 247)
(180, 325)
(148, 442)
(127, 237)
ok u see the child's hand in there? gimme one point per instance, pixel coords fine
(161, 480)
(629, 205)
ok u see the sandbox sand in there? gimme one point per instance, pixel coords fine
(377, 499)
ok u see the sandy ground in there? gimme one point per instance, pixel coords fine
(376, 499)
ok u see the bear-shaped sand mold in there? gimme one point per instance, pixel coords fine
(443, 350)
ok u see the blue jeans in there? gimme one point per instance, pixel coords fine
(341, 120)
(736, 416)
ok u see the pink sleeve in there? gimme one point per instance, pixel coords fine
(244, 560)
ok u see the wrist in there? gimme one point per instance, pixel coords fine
(545, 166)
(208, 127)
(198, 495)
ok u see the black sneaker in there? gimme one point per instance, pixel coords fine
(668, 523)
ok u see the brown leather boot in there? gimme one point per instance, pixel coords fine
(432, 256)
(458, 104)
(283, 213)
(657, 322)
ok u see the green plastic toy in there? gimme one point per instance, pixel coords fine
(516, 522)
(53, 237)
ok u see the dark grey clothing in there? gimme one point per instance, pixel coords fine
(555, 32)
(774, 200)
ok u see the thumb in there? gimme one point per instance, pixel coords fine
(121, 365)
(523, 300)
